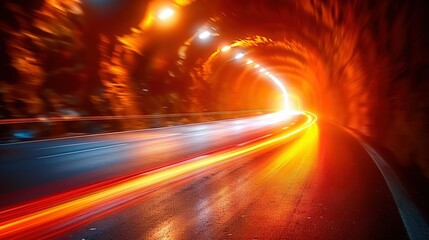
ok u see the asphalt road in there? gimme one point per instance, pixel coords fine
(36, 169)
(220, 180)
(323, 185)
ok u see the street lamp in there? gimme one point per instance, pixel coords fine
(239, 56)
(226, 49)
(166, 14)
(204, 35)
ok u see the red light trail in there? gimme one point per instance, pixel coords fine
(52, 215)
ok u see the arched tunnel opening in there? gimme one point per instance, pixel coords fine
(361, 64)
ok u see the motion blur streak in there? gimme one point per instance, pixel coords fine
(305, 145)
(291, 168)
(40, 221)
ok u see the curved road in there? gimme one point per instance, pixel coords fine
(40, 168)
(234, 183)
(320, 186)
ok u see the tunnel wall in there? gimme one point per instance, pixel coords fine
(381, 69)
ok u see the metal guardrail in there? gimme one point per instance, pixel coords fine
(22, 129)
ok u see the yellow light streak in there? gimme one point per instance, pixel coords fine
(226, 48)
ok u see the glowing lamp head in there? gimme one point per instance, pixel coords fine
(166, 14)
(204, 35)
(239, 56)
(225, 48)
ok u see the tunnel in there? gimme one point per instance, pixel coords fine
(360, 64)
(295, 118)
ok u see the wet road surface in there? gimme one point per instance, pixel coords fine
(321, 185)
(32, 170)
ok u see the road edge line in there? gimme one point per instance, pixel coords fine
(414, 222)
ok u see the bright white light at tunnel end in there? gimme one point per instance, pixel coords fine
(286, 114)
(277, 117)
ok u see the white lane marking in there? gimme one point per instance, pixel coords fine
(152, 138)
(215, 122)
(82, 151)
(97, 135)
(124, 132)
(86, 143)
(256, 139)
(71, 145)
(414, 222)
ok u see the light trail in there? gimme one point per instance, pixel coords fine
(282, 88)
(48, 217)
(123, 117)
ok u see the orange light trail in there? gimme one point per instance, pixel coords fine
(45, 218)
